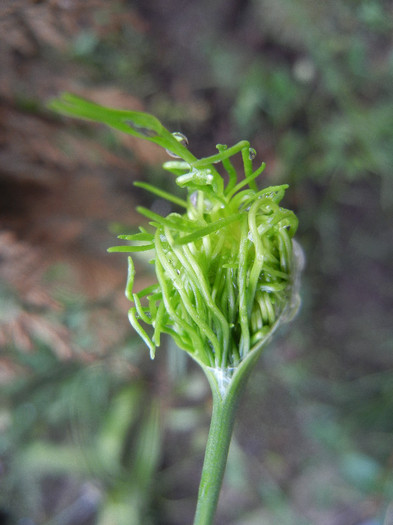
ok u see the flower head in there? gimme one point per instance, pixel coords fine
(226, 266)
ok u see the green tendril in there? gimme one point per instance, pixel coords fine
(161, 193)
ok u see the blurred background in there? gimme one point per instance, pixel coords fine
(91, 431)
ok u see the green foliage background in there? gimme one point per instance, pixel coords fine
(310, 85)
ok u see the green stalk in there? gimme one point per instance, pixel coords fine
(216, 454)
(226, 397)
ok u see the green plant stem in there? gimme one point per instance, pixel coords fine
(216, 454)
(226, 398)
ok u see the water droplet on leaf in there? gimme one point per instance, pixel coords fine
(180, 137)
(194, 198)
(207, 205)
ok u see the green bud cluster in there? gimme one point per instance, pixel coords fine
(226, 267)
